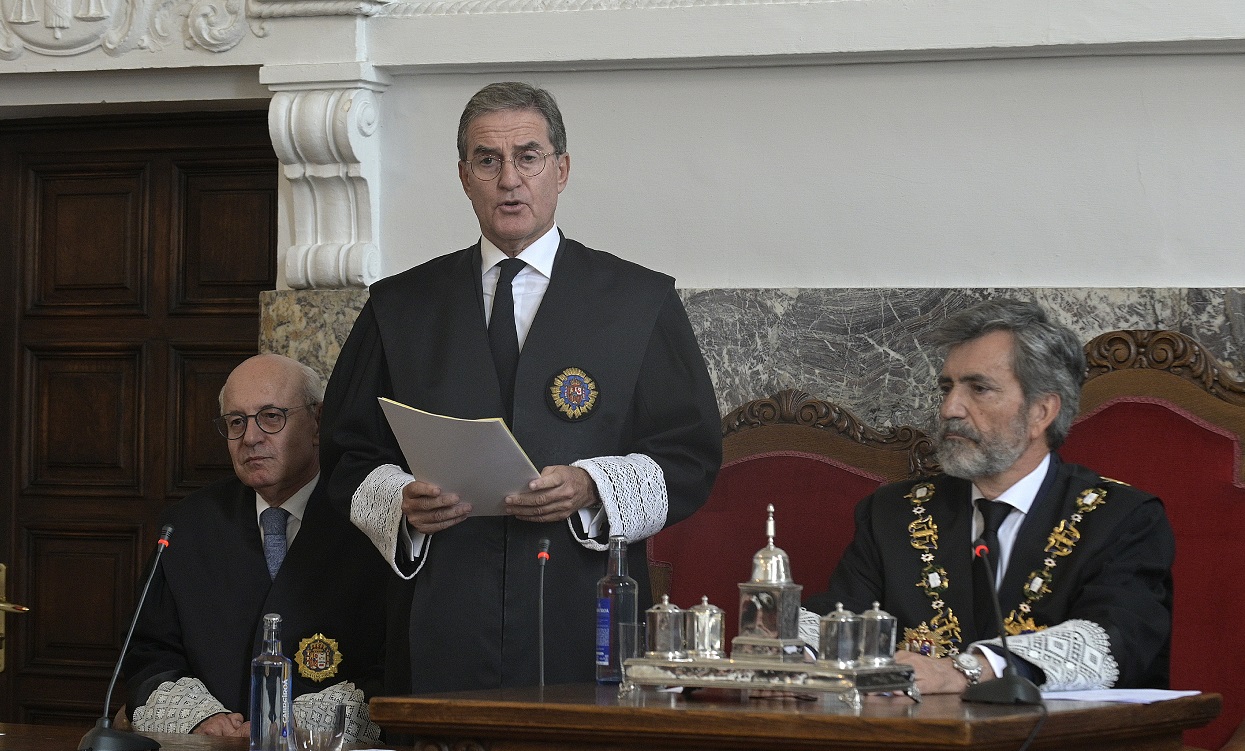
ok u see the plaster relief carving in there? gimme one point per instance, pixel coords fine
(76, 27)
(324, 140)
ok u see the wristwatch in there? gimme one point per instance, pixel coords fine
(969, 665)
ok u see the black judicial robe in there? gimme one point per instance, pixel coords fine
(1118, 574)
(203, 617)
(421, 340)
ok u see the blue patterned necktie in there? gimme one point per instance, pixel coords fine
(273, 522)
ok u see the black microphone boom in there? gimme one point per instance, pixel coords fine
(1011, 687)
(104, 737)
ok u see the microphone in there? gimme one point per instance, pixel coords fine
(1011, 687)
(543, 556)
(103, 737)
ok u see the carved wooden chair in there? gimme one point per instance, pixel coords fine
(810, 458)
(1162, 414)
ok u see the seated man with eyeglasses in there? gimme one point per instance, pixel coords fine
(265, 540)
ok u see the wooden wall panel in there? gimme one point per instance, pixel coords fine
(82, 428)
(89, 248)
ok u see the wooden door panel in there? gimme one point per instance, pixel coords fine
(80, 578)
(200, 454)
(141, 244)
(88, 231)
(227, 217)
(81, 430)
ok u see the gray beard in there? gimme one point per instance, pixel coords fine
(984, 458)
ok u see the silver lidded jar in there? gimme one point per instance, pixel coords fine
(704, 626)
(841, 638)
(665, 631)
(878, 629)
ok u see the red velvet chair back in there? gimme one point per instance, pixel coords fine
(813, 461)
(1146, 422)
(711, 552)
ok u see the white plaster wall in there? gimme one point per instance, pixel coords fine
(1071, 171)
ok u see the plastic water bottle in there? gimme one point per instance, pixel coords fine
(616, 605)
(272, 711)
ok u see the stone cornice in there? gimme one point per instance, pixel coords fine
(682, 32)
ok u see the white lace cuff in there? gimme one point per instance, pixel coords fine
(176, 707)
(1075, 655)
(810, 628)
(633, 491)
(318, 710)
(376, 508)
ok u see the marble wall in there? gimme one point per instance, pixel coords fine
(860, 348)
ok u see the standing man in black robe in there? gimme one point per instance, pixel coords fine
(605, 389)
(1085, 561)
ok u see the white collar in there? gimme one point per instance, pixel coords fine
(1023, 492)
(539, 255)
(295, 504)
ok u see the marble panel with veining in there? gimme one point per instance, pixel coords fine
(861, 348)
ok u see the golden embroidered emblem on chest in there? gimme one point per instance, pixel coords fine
(318, 657)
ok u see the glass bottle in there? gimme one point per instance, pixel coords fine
(617, 604)
(272, 713)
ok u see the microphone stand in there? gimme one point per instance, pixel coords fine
(1011, 687)
(104, 737)
(542, 556)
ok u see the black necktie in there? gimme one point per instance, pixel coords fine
(993, 513)
(502, 336)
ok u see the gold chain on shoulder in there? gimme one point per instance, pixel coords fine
(1059, 544)
(940, 636)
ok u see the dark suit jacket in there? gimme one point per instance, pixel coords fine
(422, 341)
(204, 614)
(1118, 575)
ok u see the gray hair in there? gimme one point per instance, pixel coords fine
(1047, 357)
(311, 383)
(513, 95)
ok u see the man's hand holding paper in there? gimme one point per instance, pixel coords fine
(429, 510)
(559, 492)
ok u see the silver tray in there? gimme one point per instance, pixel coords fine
(757, 675)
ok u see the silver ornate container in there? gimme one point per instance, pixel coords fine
(769, 606)
(841, 640)
(878, 630)
(704, 626)
(665, 631)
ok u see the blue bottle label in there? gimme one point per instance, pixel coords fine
(603, 631)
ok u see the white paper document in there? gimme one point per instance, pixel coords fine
(1120, 695)
(478, 459)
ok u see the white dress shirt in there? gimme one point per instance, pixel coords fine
(295, 504)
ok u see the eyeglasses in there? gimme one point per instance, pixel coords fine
(529, 163)
(269, 419)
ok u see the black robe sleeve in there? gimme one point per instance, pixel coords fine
(355, 436)
(677, 420)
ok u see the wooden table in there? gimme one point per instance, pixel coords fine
(15, 737)
(588, 716)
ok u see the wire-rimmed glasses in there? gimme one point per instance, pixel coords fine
(529, 163)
